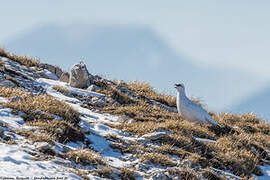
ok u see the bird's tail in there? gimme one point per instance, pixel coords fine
(212, 121)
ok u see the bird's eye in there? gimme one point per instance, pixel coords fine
(178, 85)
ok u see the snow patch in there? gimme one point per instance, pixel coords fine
(49, 74)
(3, 100)
(12, 121)
(49, 83)
(204, 140)
(15, 162)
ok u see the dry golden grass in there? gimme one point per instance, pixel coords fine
(157, 158)
(40, 110)
(248, 123)
(126, 174)
(36, 105)
(27, 61)
(12, 92)
(143, 112)
(105, 172)
(82, 173)
(10, 142)
(236, 140)
(144, 90)
(36, 137)
(61, 89)
(85, 157)
(129, 147)
(185, 174)
(209, 174)
(116, 94)
(61, 131)
(178, 127)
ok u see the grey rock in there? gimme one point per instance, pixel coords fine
(8, 83)
(154, 136)
(47, 74)
(142, 167)
(52, 68)
(93, 88)
(159, 176)
(125, 119)
(17, 98)
(24, 77)
(43, 146)
(98, 102)
(64, 77)
(60, 131)
(79, 76)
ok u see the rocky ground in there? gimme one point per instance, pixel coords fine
(75, 125)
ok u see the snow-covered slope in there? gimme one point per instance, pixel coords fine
(102, 150)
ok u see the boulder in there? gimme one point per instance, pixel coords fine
(47, 74)
(79, 76)
(52, 68)
(154, 136)
(8, 83)
(93, 88)
(17, 98)
(64, 77)
(43, 146)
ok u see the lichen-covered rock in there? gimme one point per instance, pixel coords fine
(43, 146)
(79, 76)
(52, 68)
(93, 88)
(17, 98)
(64, 77)
(7, 83)
(154, 136)
(47, 74)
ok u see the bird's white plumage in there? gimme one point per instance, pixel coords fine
(190, 110)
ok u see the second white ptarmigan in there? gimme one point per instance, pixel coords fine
(190, 110)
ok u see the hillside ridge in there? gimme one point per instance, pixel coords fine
(115, 130)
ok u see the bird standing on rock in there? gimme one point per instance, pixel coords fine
(190, 110)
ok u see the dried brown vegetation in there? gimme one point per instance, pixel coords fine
(126, 174)
(241, 142)
(105, 172)
(85, 157)
(144, 90)
(40, 111)
(157, 158)
(116, 94)
(142, 111)
(24, 60)
(12, 92)
(61, 131)
(40, 106)
(61, 89)
(34, 136)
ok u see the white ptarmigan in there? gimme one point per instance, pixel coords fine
(190, 110)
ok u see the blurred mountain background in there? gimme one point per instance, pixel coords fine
(221, 57)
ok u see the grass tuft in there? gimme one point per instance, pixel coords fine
(126, 174)
(85, 157)
(34, 106)
(157, 158)
(61, 89)
(61, 131)
(27, 61)
(144, 90)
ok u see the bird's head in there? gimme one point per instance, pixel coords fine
(180, 87)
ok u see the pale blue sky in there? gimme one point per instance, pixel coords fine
(209, 32)
(228, 32)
